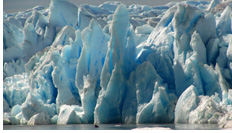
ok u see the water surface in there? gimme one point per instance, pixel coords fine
(116, 127)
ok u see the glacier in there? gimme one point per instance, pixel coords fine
(112, 63)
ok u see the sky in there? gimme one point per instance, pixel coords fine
(10, 6)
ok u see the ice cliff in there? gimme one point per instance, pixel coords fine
(113, 63)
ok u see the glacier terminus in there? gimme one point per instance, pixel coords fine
(116, 63)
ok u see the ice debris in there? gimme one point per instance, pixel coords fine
(113, 63)
(39, 119)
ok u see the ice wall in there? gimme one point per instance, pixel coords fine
(112, 95)
(89, 67)
(118, 64)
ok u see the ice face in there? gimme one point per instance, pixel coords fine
(209, 77)
(16, 93)
(145, 29)
(90, 66)
(5, 106)
(112, 76)
(68, 115)
(12, 39)
(150, 89)
(212, 50)
(62, 13)
(186, 103)
(39, 119)
(208, 110)
(229, 50)
(32, 106)
(224, 21)
(213, 4)
(118, 64)
(15, 110)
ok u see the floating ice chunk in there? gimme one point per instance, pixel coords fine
(208, 110)
(39, 119)
(145, 29)
(16, 110)
(225, 120)
(33, 106)
(228, 124)
(6, 114)
(62, 13)
(67, 115)
(54, 119)
(187, 102)
(13, 120)
(21, 119)
(6, 121)
(152, 128)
